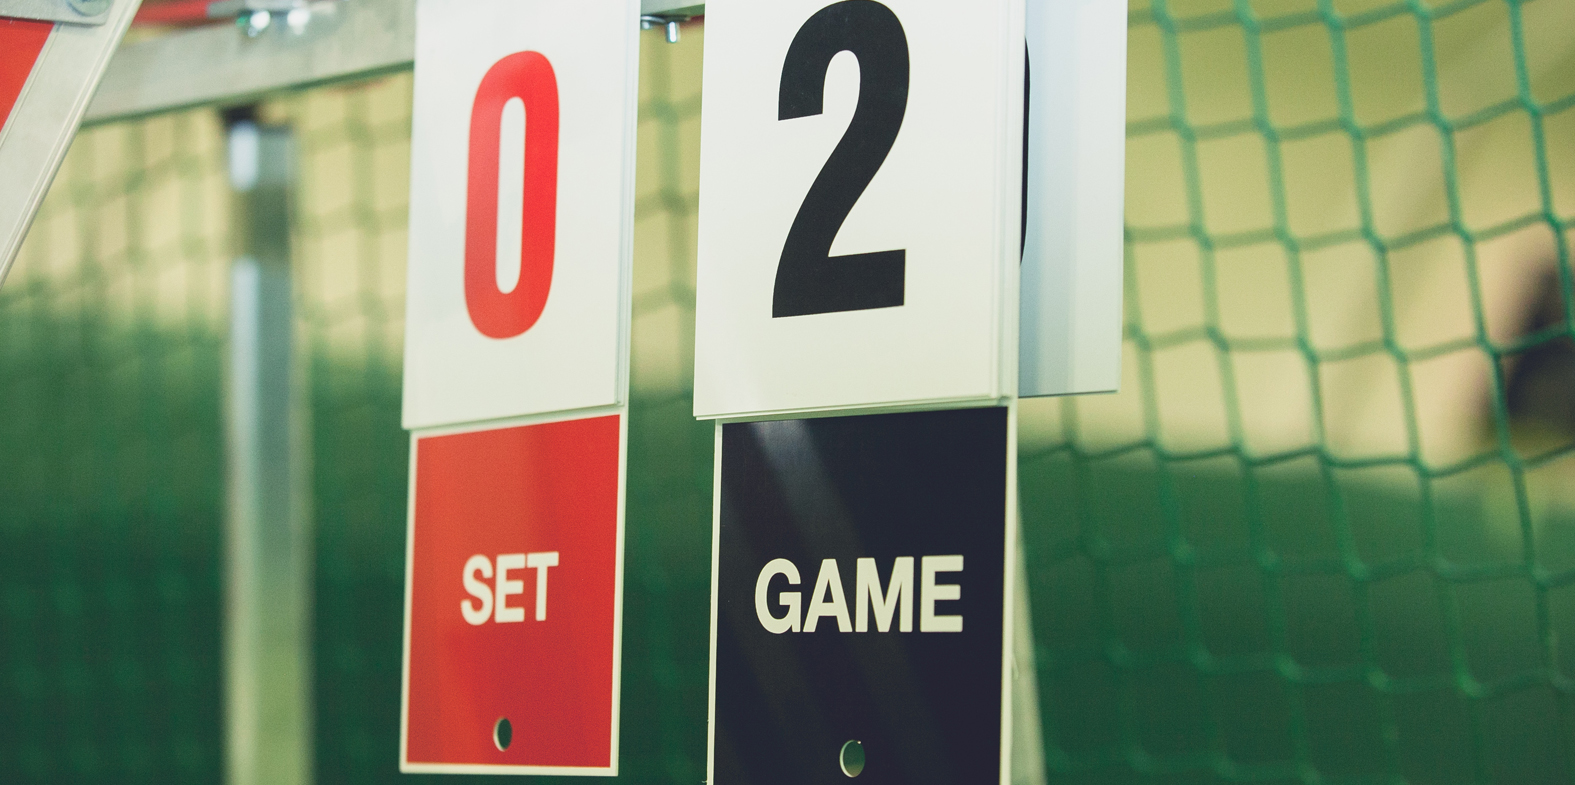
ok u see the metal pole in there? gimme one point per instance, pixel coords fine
(1028, 754)
(267, 620)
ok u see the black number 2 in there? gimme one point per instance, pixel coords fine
(809, 279)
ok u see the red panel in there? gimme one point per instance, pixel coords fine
(20, 42)
(536, 488)
(174, 12)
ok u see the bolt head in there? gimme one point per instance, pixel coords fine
(89, 7)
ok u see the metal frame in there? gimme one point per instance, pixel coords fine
(219, 64)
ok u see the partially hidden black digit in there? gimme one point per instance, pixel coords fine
(809, 279)
(1022, 242)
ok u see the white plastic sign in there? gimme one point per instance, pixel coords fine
(521, 208)
(1072, 262)
(860, 181)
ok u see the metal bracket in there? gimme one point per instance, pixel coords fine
(75, 12)
(254, 17)
(671, 22)
(226, 9)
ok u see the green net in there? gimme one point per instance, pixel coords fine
(111, 484)
(1325, 533)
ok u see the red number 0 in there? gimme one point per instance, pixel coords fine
(529, 77)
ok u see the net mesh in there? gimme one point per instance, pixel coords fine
(111, 338)
(1325, 533)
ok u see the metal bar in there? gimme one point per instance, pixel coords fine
(219, 65)
(671, 8)
(45, 117)
(267, 620)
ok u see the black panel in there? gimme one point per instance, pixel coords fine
(925, 705)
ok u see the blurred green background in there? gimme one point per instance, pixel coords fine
(1324, 534)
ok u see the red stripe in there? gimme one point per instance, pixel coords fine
(173, 12)
(20, 42)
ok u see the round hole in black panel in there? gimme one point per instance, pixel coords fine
(851, 759)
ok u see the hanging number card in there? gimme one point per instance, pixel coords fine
(860, 241)
(516, 384)
(859, 599)
(521, 203)
(1072, 257)
(860, 180)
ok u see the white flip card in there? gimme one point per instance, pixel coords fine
(860, 183)
(521, 208)
(1072, 261)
